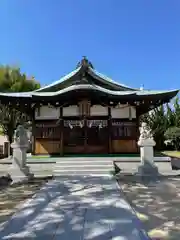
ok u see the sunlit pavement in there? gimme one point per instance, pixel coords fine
(89, 208)
(157, 205)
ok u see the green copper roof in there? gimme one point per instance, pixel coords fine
(83, 87)
(162, 96)
(103, 90)
(98, 83)
(66, 77)
(85, 67)
(102, 77)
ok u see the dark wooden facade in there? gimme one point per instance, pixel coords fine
(85, 134)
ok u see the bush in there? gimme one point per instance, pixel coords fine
(173, 134)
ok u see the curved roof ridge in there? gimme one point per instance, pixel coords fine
(84, 86)
(101, 89)
(62, 79)
(106, 78)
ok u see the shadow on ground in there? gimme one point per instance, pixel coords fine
(157, 204)
(78, 208)
(13, 195)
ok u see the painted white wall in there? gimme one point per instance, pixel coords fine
(47, 113)
(71, 111)
(123, 111)
(98, 110)
(133, 112)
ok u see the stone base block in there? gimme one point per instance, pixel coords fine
(20, 174)
(149, 170)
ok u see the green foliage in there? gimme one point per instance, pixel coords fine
(158, 123)
(161, 119)
(12, 80)
(173, 134)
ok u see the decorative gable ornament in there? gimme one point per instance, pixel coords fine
(85, 63)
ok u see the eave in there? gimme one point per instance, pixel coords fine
(75, 89)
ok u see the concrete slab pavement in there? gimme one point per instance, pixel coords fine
(78, 208)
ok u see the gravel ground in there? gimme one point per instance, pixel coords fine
(12, 196)
(157, 205)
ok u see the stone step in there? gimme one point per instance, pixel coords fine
(82, 170)
(83, 166)
(82, 173)
(94, 159)
(84, 163)
(111, 159)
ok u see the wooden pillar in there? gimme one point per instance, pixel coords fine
(84, 110)
(85, 134)
(109, 130)
(61, 132)
(33, 138)
(137, 126)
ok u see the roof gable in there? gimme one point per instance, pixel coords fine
(85, 73)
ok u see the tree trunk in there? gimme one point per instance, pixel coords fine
(10, 139)
(176, 145)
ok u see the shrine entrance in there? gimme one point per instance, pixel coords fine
(97, 136)
(85, 136)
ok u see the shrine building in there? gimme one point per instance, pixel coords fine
(86, 112)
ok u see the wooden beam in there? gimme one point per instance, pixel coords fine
(109, 129)
(85, 134)
(138, 113)
(61, 131)
(33, 131)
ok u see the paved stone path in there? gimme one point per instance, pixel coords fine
(77, 208)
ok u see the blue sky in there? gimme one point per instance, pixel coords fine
(132, 41)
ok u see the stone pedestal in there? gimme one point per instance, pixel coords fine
(147, 166)
(19, 171)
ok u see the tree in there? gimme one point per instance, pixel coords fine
(175, 118)
(12, 80)
(161, 119)
(158, 123)
(173, 134)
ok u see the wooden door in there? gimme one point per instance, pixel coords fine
(124, 136)
(97, 136)
(47, 137)
(74, 136)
